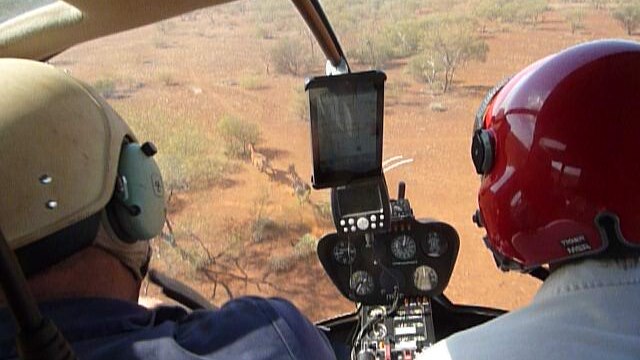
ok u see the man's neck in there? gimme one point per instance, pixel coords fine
(91, 272)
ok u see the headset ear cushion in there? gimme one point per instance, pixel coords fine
(479, 119)
(137, 210)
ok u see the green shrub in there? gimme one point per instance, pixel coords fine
(251, 82)
(305, 247)
(279, 264)
(187, 155)
(237, 135)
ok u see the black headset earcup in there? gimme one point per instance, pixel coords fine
(483, 151)
(137, 208)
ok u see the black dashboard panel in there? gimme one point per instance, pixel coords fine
(415, 258)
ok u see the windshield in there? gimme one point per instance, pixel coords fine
(12, 8)
(221, 93)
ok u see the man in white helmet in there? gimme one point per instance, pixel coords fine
(80, 199)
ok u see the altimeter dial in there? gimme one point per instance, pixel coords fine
(403, 247)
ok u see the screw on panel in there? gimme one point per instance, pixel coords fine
(52, 204)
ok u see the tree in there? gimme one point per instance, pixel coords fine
(288, 57)
(599, 4)
(448, 44)
(510, 11)
(531, 11)
(488, 11)
(238, 134)
(628, 16)
(403, 37)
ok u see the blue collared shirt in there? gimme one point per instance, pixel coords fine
(588, 310)
(244, 328)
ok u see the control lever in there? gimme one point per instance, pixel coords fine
(401, 190)
(401, 208)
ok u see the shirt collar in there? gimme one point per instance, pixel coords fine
(77, 318)
(589, 274)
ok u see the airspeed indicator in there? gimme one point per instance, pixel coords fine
(361, 283)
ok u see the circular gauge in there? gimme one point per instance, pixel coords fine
(344, 253)
(434, 245)
(425, 278)
(362, 283)
(403, 247)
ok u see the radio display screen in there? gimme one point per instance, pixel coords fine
(360, 198)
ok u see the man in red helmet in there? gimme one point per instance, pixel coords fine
(557, 148)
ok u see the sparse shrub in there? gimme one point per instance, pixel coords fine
(166, 26)
(281, 263)
(437, 107)
(575, 17)
(529, 11)
(261, 229)
(161, 43)
(288, 57)
(251, 82)
(300, 105)
(168, 79)
(323, 210)
(106, 88)
(265, 32)
(628, 15)
(305, 247)
(238, 134)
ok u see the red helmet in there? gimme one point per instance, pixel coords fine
(557, 146)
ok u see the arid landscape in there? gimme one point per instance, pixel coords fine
(240, 226)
